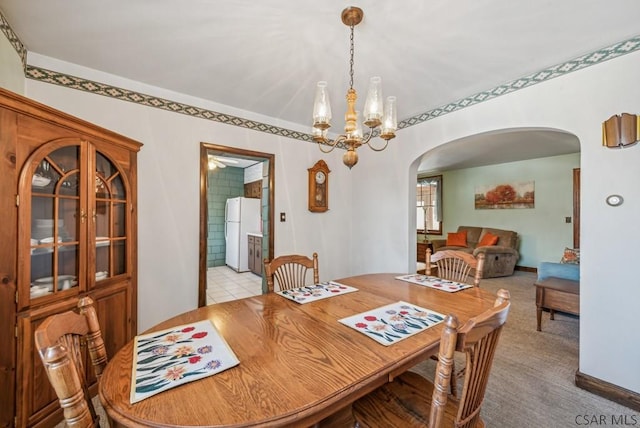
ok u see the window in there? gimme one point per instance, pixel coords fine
(429, 205)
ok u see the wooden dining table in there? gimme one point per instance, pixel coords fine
(298, 364)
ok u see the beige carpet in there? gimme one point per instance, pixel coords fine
(532, 380)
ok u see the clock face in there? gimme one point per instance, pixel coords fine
(320, 177)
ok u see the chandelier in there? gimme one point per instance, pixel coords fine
(375, 115)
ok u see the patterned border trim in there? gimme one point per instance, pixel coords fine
(55, 78)
(72, 82)
(14, 40)
(605, 54)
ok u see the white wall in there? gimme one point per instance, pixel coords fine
(11, 72)
(577, 103)
(253, 173)
(542, 230)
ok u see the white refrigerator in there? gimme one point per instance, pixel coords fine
(242, 216)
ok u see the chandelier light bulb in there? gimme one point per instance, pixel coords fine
(373, 104)
(322, 107)
(390, 121)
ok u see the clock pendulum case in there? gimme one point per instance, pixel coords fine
(319, 187)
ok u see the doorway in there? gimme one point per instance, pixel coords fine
(207, 150)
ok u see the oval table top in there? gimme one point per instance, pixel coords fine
(298, 364)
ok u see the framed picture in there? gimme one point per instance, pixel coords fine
(505, 196)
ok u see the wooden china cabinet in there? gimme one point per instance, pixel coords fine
(68, 230)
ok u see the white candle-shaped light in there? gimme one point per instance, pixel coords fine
(373, 105)
(321, 107)
(390, 120)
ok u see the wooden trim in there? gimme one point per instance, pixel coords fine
(29, 107)
(204, 150)
(608, 390)
(576, 208)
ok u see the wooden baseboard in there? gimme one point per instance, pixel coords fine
(526, 269)
(608, 390)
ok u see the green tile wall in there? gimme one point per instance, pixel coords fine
(224, 183)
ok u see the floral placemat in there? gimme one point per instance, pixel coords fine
(315, 292)
(392, 323)
(168, 358)
(434, 282)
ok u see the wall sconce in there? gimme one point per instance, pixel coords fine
(621, 130)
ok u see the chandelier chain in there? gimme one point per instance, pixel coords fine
(351, 50)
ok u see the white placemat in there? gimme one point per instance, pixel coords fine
(315, 292)
(392, 323)
(434, 282)
(172, 357)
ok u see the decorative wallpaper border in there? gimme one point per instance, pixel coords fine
(79, 83)
(73, 82)
(597, 57)
(14, 40)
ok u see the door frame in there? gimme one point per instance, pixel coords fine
(205, 148)
(576, 208)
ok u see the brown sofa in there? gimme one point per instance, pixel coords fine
(500, 259)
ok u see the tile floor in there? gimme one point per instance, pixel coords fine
(224, 284)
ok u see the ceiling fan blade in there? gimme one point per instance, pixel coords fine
(225, 160)
(213, 164)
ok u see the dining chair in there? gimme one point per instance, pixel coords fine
(59, 341)
(455, 265)
(290, 271)
(411, 400)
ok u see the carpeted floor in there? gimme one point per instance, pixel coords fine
(532, 379)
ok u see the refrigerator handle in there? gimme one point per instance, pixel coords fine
(226, 209)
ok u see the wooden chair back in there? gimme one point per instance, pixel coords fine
(59, 341)
(478, 339)
(455, 265)
(290, 271)
(411, 400)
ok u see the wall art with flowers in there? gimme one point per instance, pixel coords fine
(392, 323)
(172, 357)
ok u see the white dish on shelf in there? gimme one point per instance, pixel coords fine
(101, 275)
(102, 241)
(64, 282)
(49, 240)
(40, 181)
(47, 222)
(37, 291)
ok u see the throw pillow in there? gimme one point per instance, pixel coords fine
(457, 239)
(571, 256)
(488, 239)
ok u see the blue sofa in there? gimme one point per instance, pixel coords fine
(568, 271)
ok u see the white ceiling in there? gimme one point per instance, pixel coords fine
(266, 56)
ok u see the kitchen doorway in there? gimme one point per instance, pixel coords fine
(222, 152)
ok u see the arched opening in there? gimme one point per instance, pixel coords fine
(546, 156)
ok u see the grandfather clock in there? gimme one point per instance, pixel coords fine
(319, 187)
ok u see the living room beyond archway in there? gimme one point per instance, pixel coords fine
(548, 157)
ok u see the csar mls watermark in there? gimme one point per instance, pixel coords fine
(629, 420)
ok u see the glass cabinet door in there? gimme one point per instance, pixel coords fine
(110, 217)
(55, 223)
